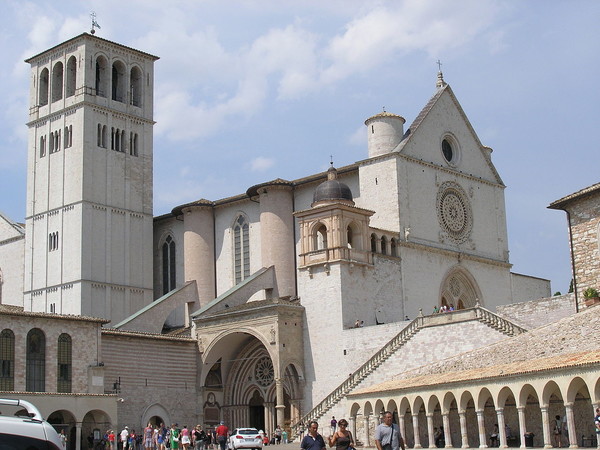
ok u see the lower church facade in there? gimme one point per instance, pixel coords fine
(277, 306)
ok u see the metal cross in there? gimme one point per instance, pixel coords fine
(439, 63)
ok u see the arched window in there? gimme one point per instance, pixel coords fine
(104, 134)
(64, 364)
(68, 137)
(373, 243)
(71, 76)
(393, 249)
(42, 146)
(35, 370)
(43, 87)
(241, 249)
(118, 81)
(101, 76)
(133, 144)
(135, 86)
(321, 238)
(57, 81)
(7, 360)
(353, 236)
(383, 245)
(168, 264)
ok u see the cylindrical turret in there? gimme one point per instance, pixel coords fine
(385, 131)
(277, 234)
(199, 249)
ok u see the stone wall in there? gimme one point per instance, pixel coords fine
(156, 375)
(538, 312)
(585, 229)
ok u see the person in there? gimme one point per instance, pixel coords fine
(597, 424)
(494, 439)
(112, 440)
(508, 432)
(148, 432)
(63, 438)
(438, 436)
(436, 309)
(174, 437)
(278, 435)
(161, 438)
(284, 436)
(565, 429)
(342, 438)
(185, 438)
(357, 324)
(222, 435)
(124, 435)
(132, 440)
(313, 440)
(198, 438)
(387, 434)
(557, 431)
(333, 424)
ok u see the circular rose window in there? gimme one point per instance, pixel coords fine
(263, 372)
(454, 211)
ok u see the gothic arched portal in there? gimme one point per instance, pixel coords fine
(460, 290)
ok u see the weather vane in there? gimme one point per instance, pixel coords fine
(94, 23)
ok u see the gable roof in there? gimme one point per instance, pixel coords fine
(414, 126)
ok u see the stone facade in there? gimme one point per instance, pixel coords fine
(583, 215)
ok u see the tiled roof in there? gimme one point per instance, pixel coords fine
(575, 341)
(497, 371)
(560, 203)
(19, 311)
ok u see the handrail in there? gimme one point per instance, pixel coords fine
(480, 314)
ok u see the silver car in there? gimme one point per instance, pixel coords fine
(26, 431)
(245, 438)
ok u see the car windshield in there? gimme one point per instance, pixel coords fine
(247, 431)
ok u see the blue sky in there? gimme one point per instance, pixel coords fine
(248, 91)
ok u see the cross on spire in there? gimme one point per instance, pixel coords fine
(94, 23)
(439, 63)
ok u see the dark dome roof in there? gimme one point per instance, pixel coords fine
(332, 189)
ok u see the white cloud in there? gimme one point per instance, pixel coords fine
(260, 164)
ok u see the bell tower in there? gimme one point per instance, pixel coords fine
(89, 188)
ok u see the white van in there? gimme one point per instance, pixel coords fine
(27, 430)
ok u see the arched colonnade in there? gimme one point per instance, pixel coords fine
(468, 412)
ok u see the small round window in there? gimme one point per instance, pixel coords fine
(450, 150)
(447, 150)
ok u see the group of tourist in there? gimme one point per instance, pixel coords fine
(161, 438)
(387, 436)
(443, 308)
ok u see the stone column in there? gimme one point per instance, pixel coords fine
(415, 419)
(268, 418)
(501, 427)
(199, 249)
(464, 435)
(522, 425)
(481, 429)
(402, 426)
(277, 235)
(546, 427)
(594, 407)
(430, 431)
(447, 432)
(352, 426)
(78, 435)
(367, 437)
(571, 431)
(280, 405)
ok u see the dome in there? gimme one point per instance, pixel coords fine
(332, 189)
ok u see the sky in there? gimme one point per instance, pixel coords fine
(249, 91)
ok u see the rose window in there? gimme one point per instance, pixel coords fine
(454, 212)
(263, 372)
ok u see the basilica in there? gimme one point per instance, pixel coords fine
(293, 301)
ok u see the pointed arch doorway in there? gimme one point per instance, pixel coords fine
(459, 290)
(257, 411)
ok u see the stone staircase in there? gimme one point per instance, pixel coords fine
(477, 313)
